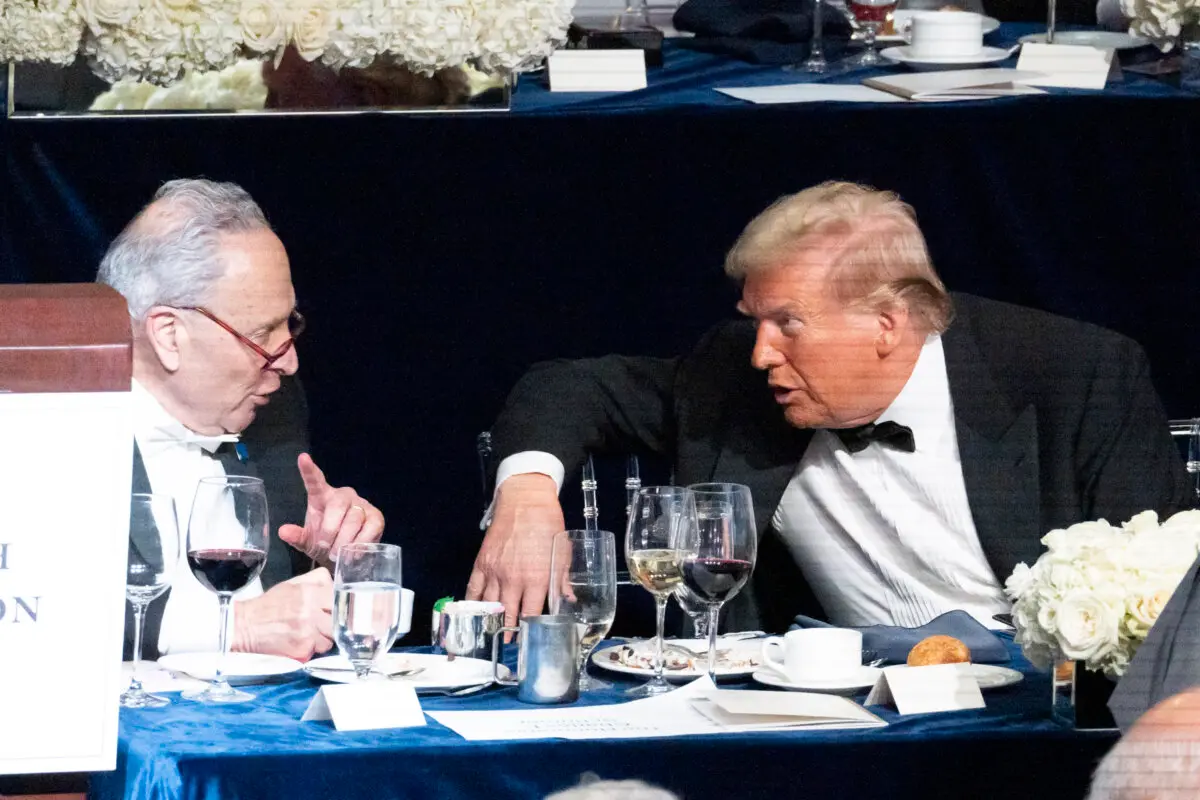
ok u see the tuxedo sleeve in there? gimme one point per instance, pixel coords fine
(1129, 462)
(614, 404)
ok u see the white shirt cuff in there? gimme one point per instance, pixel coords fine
(522, 464)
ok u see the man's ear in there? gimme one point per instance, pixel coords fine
(892, 322)
(165, 335)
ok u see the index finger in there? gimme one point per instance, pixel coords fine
(311, 474)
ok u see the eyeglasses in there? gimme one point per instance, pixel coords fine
(295, 323)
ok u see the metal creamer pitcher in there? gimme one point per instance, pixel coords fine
(547, 659)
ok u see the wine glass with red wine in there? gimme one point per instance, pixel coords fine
(719, 551)
(228, 534)
(870, 15)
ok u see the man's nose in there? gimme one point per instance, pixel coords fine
(289, 363)
(765, 355)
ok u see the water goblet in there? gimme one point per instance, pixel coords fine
(227, 539)
(870, 16)
(153, 555)
(366, 603)
(583, 585)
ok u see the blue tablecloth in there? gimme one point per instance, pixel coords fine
(262, 751)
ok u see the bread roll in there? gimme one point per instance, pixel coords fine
(938, 650)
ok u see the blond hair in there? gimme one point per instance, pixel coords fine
(880, 262)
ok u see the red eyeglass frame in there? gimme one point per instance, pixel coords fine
(296, 325)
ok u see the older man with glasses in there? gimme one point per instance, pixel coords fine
(214, 327)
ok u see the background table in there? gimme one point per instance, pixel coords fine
(262, 751)
(437, 257)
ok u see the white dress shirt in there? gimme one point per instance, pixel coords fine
(885, 536)
(176, 459)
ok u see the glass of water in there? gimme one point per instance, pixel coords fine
(153, 554)
(583, 585)
(366, 603)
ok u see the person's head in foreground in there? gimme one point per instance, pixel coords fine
(841, 285)
(612, 790)
(210, 294)
(1159, 759)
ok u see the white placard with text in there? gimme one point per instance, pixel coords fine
(1068, 66)
(597, 70)
(924, 690)
(65, 471)
(367, 706)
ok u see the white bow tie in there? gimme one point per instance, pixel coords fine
(185, 436)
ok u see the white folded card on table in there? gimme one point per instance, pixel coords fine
(809, 93)
(1068, 66)
(597, 70)
(964, 84)
(757, 711)
(922, 690)
(366, 706)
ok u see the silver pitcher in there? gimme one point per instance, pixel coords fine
(547, 659)
(467, 629)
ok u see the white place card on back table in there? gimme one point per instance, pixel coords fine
(367, 706)
(597, 70)
(922, 690)
(1068, 66)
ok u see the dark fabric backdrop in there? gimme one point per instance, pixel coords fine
(438, 257)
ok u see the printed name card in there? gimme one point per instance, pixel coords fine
(368, 706)
(1068, 66)
(597, 70)
(923, 690)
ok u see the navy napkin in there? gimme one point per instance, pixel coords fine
(892, 643)
(759, 31)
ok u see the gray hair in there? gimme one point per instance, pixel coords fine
(612, 790)
(1149, 768)
(168, 255)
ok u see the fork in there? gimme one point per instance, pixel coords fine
(456, 692)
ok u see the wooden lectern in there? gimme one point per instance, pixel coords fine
(57, 340)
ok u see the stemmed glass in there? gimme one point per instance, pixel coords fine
(153, 555)
(694, 607)
(583, 585)
(227, 540)
(366, 603)
(870, 15)
(815, 62)
(661, 515)
(719, 551)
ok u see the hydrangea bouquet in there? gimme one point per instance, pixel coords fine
(1164, 22)
(1098, 589)
(162, 40)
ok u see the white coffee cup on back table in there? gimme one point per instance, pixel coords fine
(814, 654)
(945, 34)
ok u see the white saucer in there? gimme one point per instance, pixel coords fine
(988, 676)
(1102, 39)
(986, 55)
(240, 669)
(863, 678)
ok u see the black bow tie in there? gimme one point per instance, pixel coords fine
(889, 433)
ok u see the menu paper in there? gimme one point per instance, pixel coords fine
(966, 84)
(687, 711)
(65, 473)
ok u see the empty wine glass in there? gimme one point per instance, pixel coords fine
(153, 555)
(366, 603)
(227, 540)
(661, 515)
(815, 62)
(719, 551)
(583, 585)
(694, 607)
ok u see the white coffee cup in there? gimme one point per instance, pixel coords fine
(945, 34)
(815, 654)
(406, 604)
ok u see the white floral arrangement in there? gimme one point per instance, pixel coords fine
(1161, 21)
(1096, 592)
(160, 41)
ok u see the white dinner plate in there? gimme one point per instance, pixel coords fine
(863, 678)
(986, 55)
(240, 669)
(744, 656)
(1101, 39)
(988, 676)
(902, 19)
(437, 671)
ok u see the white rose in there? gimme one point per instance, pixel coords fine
(107, 12)
(1145, 521)
(1143, 610)
(1019, 582)
(1087, 627)
(309, 32)
(262, 24)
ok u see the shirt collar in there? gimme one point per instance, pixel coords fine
(154, 424)
(924, 403)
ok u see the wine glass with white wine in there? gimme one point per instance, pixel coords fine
(660, 517)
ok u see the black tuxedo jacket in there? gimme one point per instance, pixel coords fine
(272, 443)
(1057, 422)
